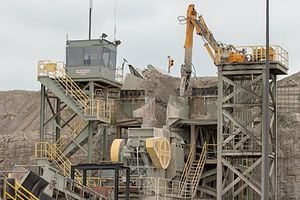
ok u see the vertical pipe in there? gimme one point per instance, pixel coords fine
(90, 19)
(116, 184)
(104, 144)
(90, 142)
(72, 172)
(265, 113)
(84, 177)
(90, 136)
(127, 183)
(118, 132)
(57, 120)
(276, 136)
(219, 134)
(137, 160)
(42, 113)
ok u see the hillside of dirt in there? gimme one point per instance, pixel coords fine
(19, 125)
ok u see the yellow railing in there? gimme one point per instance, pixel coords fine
(81, 190)
(199, 170)
(119, 75)
(16, 191)
(70, 134)
(258, 54)
(98, 108)
(53, 153)
(253, 55)
(143, 186)
(148, 186)
(187, 166)
(172, 188)
(56, 70)
(187, 184)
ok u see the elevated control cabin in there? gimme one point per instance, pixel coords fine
(91, 59)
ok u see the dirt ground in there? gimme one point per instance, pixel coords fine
(19, 127)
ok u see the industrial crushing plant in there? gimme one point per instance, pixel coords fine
(205, 142)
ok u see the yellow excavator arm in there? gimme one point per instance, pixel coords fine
(219, 52)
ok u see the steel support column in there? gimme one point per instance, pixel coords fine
(42, 113)
(104, 143)
(116, 181)
(91, 136)
(274, 90)
(265, 116)
(57, 120)
(219, 136)
(90, 142)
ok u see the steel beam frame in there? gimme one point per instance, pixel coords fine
(52, 117)
(240, 139)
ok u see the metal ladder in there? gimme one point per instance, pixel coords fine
(192, 172)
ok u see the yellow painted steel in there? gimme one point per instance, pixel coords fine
(190, 14)
(116, 149)
(51, 152)
(50, 67)
(159, 151)
(259, 53)
(72, 131)
(188, 164)
(56, 70)
(20, 192)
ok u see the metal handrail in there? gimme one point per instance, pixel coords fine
(74, 186)
(197, 174)
(71, 133)
(171, 188)
(20, 192)
(199, 169)
(56, 70)
(257, 54)
(277, 54)
(53, 153)
(119, 75)
(187, 165)
(188, 162)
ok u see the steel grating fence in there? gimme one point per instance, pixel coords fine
(288, 99)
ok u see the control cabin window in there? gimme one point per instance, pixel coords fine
(91, 56)
(74, 57)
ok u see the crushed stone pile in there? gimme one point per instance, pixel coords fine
(159, 85)
(19, 127)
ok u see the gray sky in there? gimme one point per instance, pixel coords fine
(33, 30)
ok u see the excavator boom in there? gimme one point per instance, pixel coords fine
(219, 52)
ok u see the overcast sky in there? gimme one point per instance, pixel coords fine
(33, 30)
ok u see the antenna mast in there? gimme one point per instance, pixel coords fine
(90, 19)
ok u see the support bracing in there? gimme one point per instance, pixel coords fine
(240, 142)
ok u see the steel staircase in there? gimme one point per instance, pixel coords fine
(45, 150)
(54, 77)
(192, 172)
(70, 135)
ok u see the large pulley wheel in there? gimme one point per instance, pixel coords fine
(159, 149)
(115, 150)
